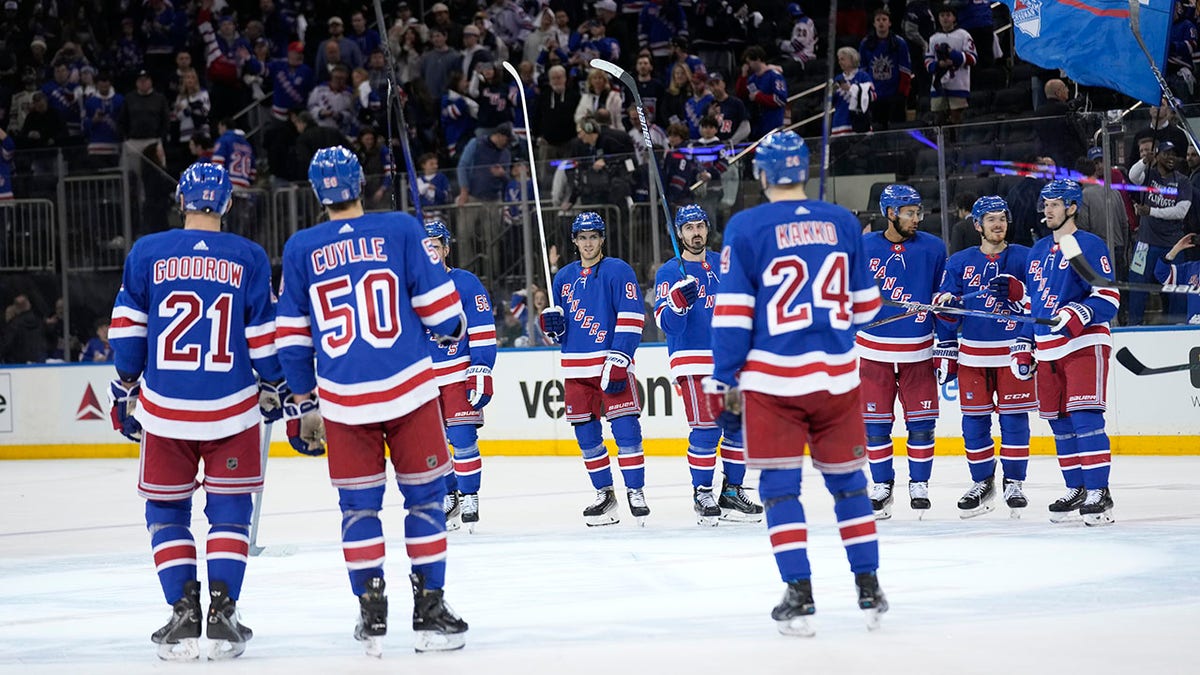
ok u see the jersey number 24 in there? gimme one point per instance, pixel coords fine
(830, 290)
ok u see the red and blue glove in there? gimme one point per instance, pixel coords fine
(1009, 290)
(616, 372)
(123, 398)
(945, 361)
(552, 322)
(730, 418)
(683, 294)
(271, 396)
(305, 428)
(479, 386)
(1072, 319)
(1021, 360)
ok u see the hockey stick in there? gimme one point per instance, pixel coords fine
(925, 307)
(1135, 26)
(264, 450)
(1127, 359)
(749, 148)
(631, 84)
(399, 106)
(537, 198)
(912, 312)
(1070, 249)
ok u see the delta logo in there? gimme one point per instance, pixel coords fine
(89, 406)
(1027, 16)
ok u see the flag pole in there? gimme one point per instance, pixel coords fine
(1135, 26)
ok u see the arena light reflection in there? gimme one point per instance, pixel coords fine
(1050, 172)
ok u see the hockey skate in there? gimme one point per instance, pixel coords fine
(705, 505)
(736, 506)
(436, 627)
(881, 499)
(603, 511)
(470, 510)
(637, 505)
(1066, 508)
(792, 612)
(372, 617)
(452, 507)
(1014, 496)
(978, 500)
(918, 497)
(179, 640)
(870, 598)
(1097, 508)
(226, 635)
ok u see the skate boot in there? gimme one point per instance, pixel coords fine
(452, 507)
(470, 510)
(978, 499)
(1014, 496)
(705, 505)
(637, 505)
(436, 626)
(870, 598)
(1066, 507)
(179, 640)
(372, 617)
(1097, 508)
(881, 499)
(603, 511)
(736, 506)
(225, 632)
(792, 612)
(918, 497)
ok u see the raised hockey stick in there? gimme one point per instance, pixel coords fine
(1074, 254)
(631, 84)
(537, 198)
(1131, 363)
(750, 148)
(925, 307)
(912, 312)
(393, 96)
(1135, 26)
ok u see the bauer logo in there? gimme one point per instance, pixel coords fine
(6, 420)
(1027, 16)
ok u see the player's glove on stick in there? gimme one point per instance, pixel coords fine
(271, 396)
(552, 322)
(459, 331)
(479, 386)
(123, 398)
(305, 428)
(730, 418)
(616, 372)
(1008, 290)
(945, 361)
(1072, 319)
(1021, 360)
(947, 300)
(683, 294)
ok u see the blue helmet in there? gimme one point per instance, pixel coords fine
(783, 158)
(1065, 189)
(690, 213)
(895, 196)
(588, 221)
(205, 186)
(437, 230)
(336, 175)
(989, 204)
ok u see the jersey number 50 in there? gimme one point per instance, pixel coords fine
(830, 290)
(371, 310)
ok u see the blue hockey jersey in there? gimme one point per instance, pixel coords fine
(8, 150)
(236, 154)
(290, 86)
(450, 362)
(358, 294)
(1052, 285)
(195, 316)
(906, 272)
(983, 342)
(767, 94)
(794, 286)
(100, 123)
(689, 337)
(604, 311)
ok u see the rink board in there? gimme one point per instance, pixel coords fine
(62, 412)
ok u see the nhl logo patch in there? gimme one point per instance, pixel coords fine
(858, 451)
(870, 407)
(231, 463)
(1027, 16)
(431, 461)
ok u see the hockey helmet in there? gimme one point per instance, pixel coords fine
(895, 196)
(437, 229)
(783, 158)
(205, 187)
(989, 204)
(690, 213)
(588, 221)
(1065, 189)
(336, 175)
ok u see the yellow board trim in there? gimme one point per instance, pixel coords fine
(660, 447)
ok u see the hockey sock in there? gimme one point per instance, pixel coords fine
(228, 539)
(981, 449)
(879, 451)
(780, 492)
(1065, 447)
(595, 455)
(173, 545)
(468, 466)
(920, 449)
(1092, 444)
(1014, 445)
(451, 482)
(733, 458)
(856, 521)
(362, 533)
(627, 431)
(701, 462)
(425, 531)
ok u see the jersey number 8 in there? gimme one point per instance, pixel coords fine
(830, 290)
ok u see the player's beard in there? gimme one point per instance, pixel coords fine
(994, 238)
(696, 244)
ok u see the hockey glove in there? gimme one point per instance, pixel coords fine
(305, 428)
(1021, 360)
(1008, 290)
(457, 333)
(271, 396)
(552, 322)
(730, 417)
(124, 402)
(683, 294)
(1072, 319)
(616, 372)
(945, 361)
(947, 300)
(479, 386)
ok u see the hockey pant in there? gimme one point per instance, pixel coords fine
(228, 545)
(424, 532)
(627, 431)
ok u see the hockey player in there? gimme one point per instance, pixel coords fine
(604, 303)
(978, 358)
(357, 293)
(464, 377)
(1073, 355)
(193, 321)
(683, 308)
(897, 358)
(794, 286)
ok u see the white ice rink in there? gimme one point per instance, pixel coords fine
(544, 594)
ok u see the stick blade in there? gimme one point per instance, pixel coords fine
(1129, 361)
(608, 67)
(511, 70)
(1070, 247)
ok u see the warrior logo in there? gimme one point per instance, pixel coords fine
(1027, 15)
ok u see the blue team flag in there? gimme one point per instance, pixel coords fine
(1091, 40)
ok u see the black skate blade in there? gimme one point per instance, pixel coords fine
(433, 641)
(187, 649)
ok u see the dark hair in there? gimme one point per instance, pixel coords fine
(1085, 166)
(964, 201)
(754, 53)
(882, 10)
(426, 157)
(678, 129)
(203, 140)
(229, 123)
(708, 121)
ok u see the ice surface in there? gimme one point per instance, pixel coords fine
(544, 594)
